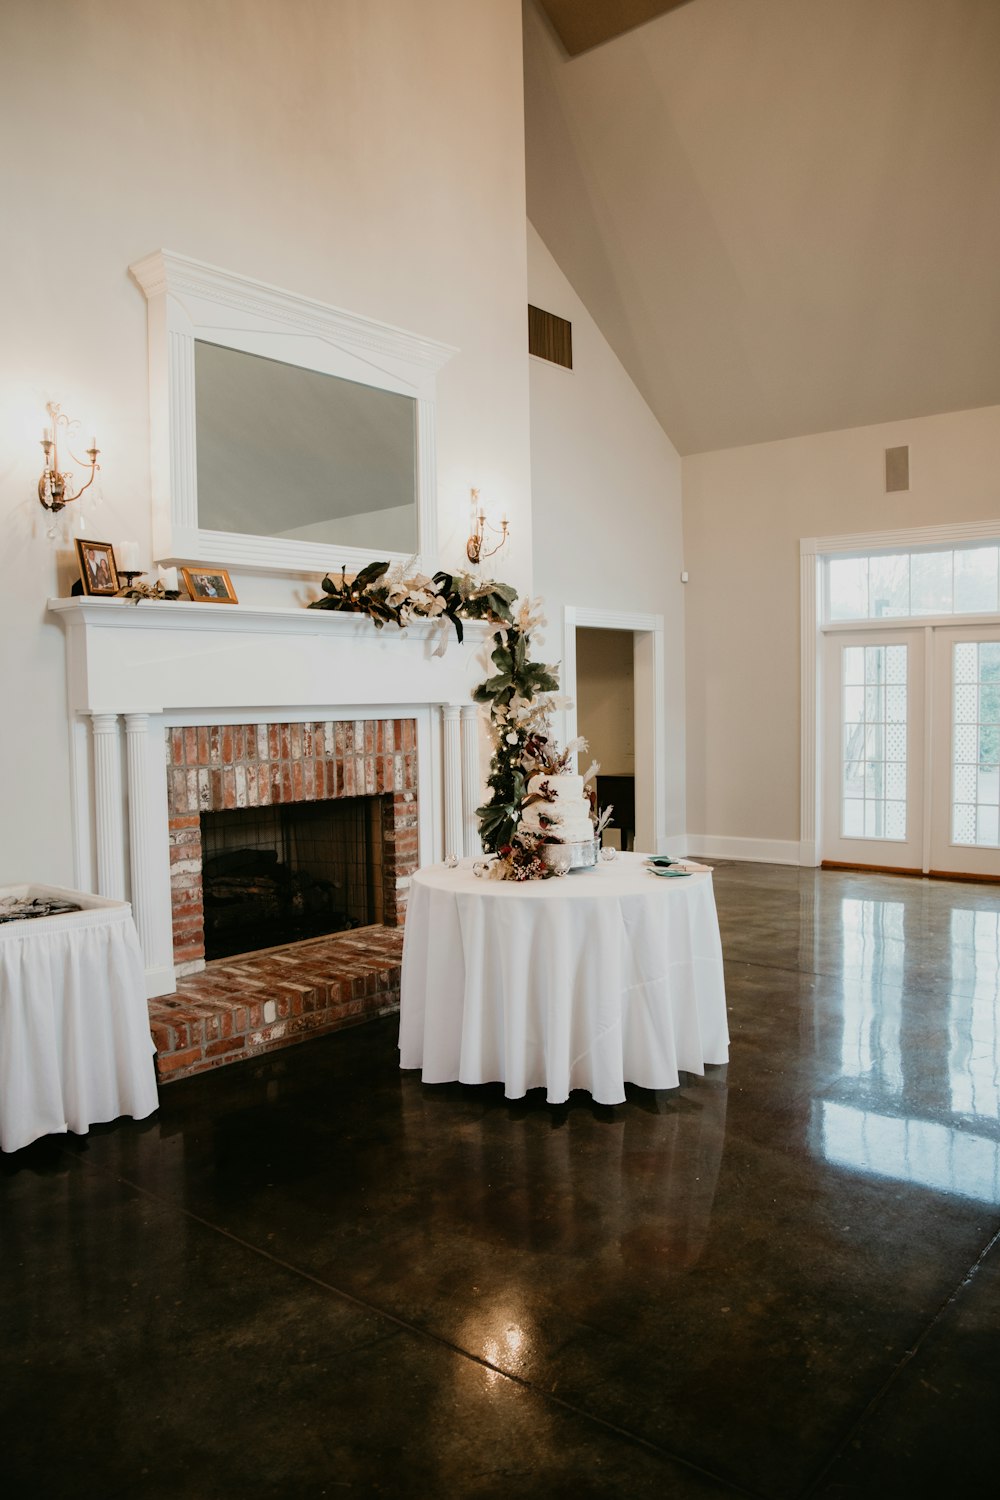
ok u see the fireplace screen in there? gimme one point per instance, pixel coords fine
(275, 875)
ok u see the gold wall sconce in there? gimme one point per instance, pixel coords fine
(475, 547)
(55, 483)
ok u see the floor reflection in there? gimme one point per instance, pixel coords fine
(919, 1046)
(974, 1023)
(873, 936)
(918, 1151)
(646, 1198)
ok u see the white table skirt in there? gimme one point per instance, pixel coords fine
(75, 1047)
(585, 982)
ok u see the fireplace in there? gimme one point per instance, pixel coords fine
(285, 831)
(257, 706)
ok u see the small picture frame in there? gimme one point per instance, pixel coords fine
(98, 573)
(209, 585)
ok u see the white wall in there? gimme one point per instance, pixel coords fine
(368, 154)
(745, 510)
(606, 487)
(605, 703)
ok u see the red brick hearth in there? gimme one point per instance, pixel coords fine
(239, 1008)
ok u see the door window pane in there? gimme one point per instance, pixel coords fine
(889, 587)
(987, 827)
(975, 739)
(854, 820)
(848, 584)
(976, 581)
(989, 703)
(895, 705)
(854, 705)
(895, 820)
(854, 664)
(895, 663)
(930, 583)
(873, 737)
(967, 662)
(914, 585)
(989, 661)
(895, 780)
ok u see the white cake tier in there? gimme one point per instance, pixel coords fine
(565, 819)
(566, 786)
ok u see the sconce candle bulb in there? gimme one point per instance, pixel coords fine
(55, 483)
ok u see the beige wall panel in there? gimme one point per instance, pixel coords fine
(745, 510)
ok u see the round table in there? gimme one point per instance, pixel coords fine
(602, 977)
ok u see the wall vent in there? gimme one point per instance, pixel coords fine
(897, 469)
(550, 337)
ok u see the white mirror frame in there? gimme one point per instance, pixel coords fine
(186, 301)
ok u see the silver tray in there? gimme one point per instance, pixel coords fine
(581, 856)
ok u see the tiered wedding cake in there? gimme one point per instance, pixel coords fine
(557, 808)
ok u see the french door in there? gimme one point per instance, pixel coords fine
(965, 751)
(874, 749)
(911, 770)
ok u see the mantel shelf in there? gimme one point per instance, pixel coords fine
(184, 614)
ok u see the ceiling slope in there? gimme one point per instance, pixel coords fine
(784, 215)
(582, 24)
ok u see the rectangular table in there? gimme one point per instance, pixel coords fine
(602, 977)
(75, 1046)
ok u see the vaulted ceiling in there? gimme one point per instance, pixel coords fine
(582, 24)
(784, 215)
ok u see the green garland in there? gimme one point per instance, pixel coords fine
(519, 693)
(390, 597)
(518, 696)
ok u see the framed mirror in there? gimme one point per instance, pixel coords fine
(286, 435)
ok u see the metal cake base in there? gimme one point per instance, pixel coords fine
(581, 856)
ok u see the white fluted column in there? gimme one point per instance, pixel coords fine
(136, 760)
(451, 716)
(470, 778)
(108, 807)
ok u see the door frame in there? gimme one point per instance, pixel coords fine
(812, 553)
(650, 709)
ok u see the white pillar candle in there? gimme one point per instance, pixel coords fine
(168, 577)
(128, 560)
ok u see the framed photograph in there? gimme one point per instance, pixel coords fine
(98, 573)
(209, 585)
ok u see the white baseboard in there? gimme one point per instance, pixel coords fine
(757, 851)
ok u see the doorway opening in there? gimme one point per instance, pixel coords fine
(605, 716)
(613, 673)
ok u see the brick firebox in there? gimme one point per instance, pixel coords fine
(224, 766)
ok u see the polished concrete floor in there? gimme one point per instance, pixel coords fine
(316, 1277)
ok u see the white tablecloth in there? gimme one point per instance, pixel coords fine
(75, 1048)
(604, 976)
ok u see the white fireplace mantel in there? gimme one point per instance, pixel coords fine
(172, 654)
(135, 670)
